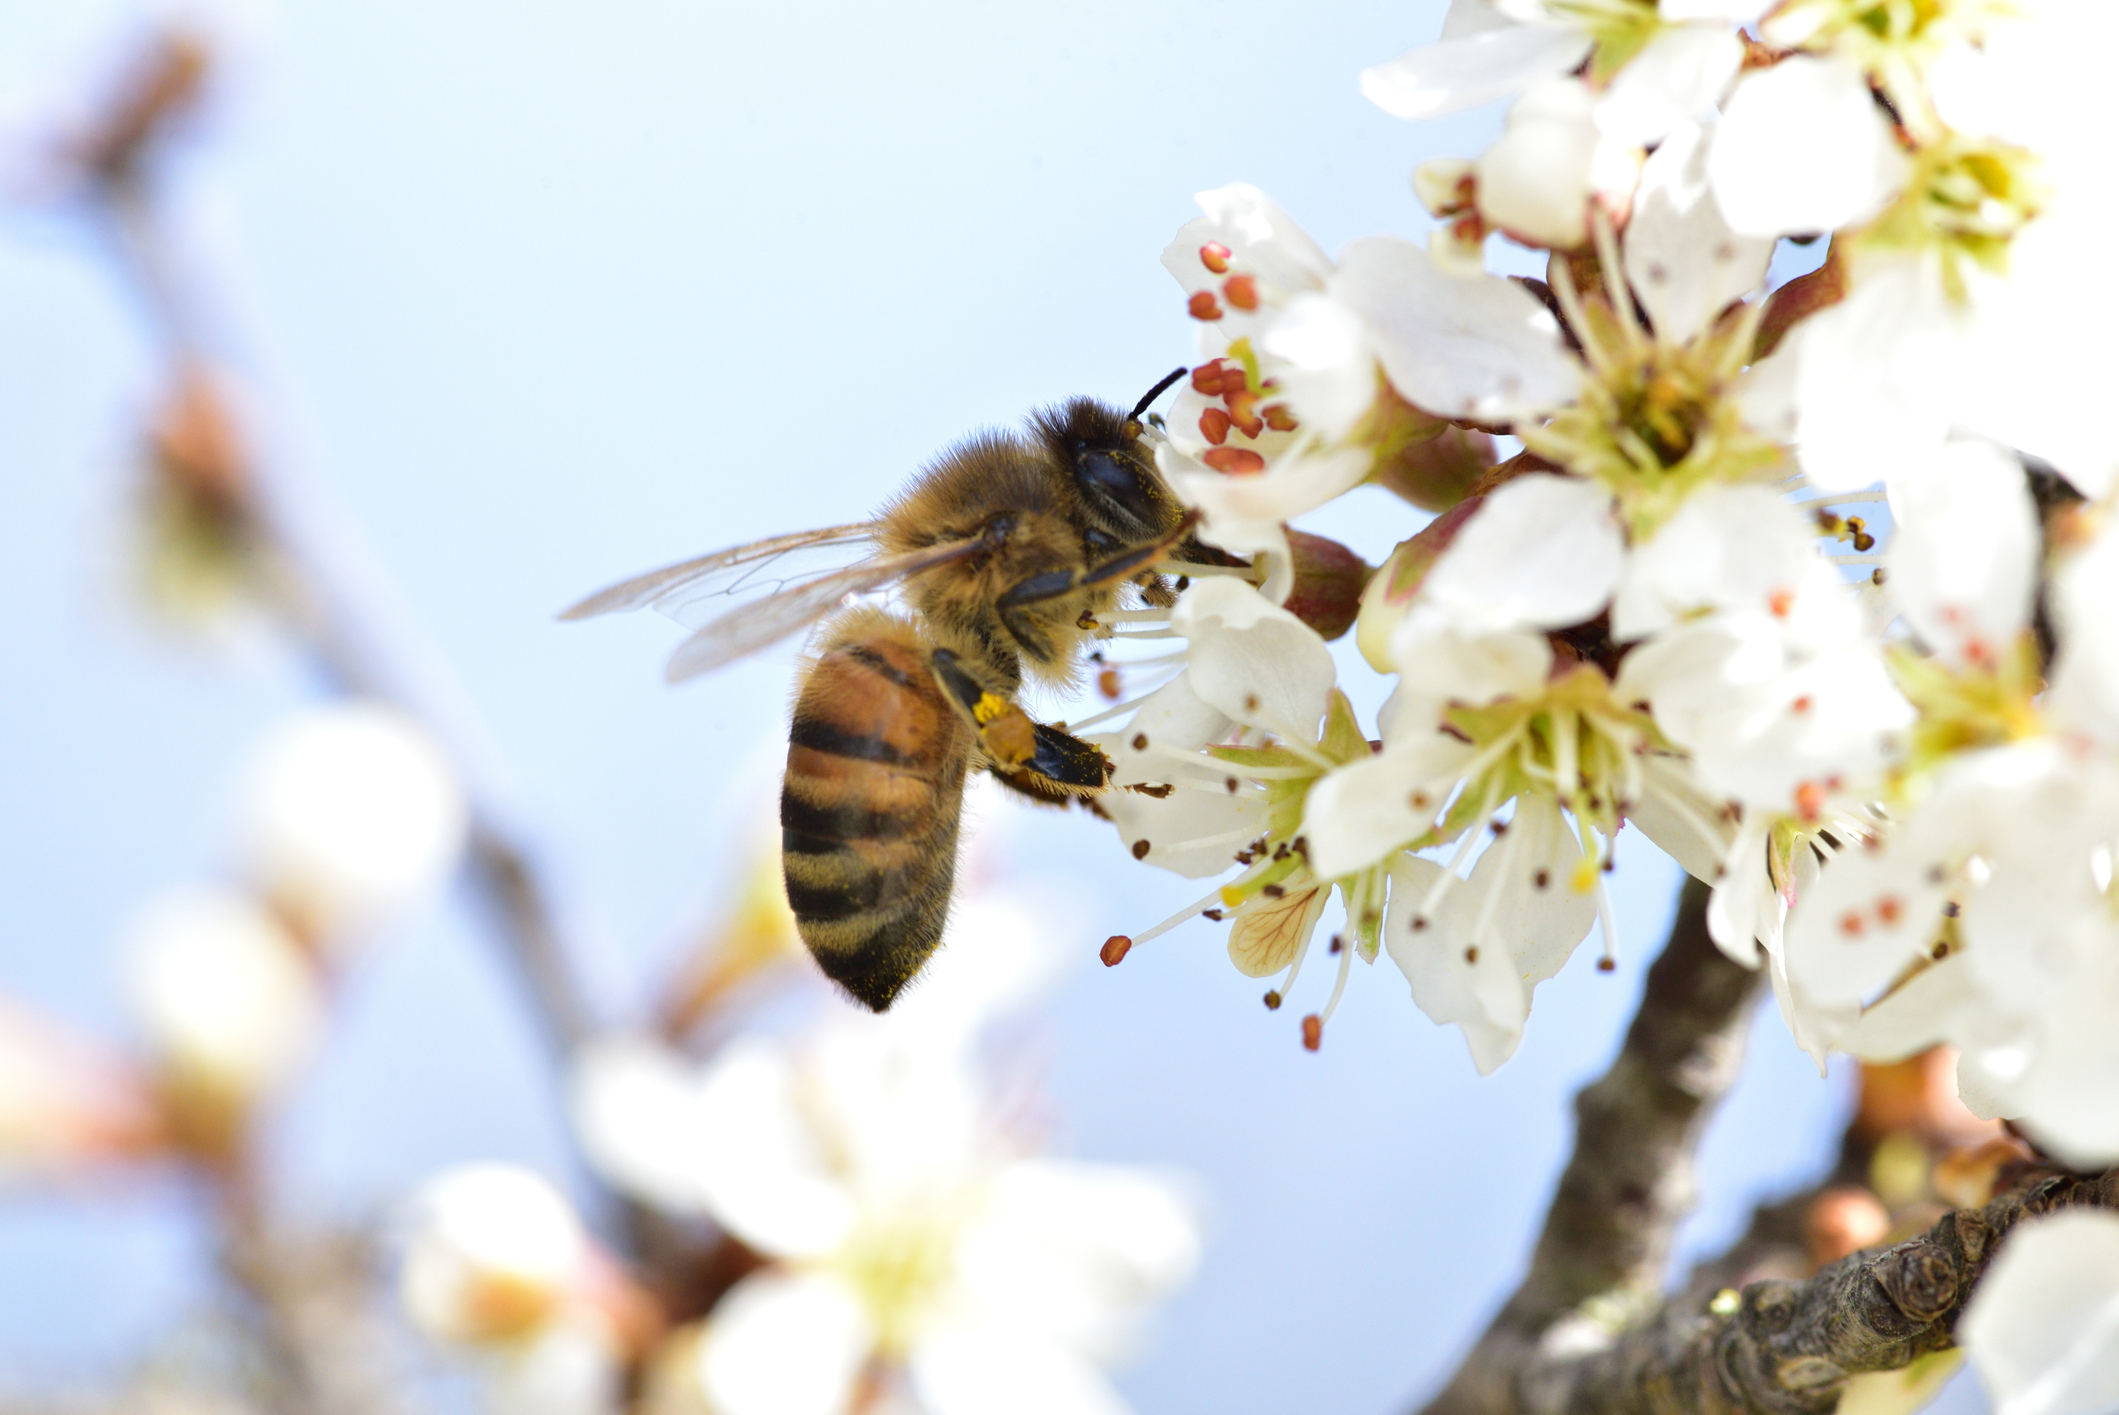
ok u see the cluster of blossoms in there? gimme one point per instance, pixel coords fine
(880, 1228)
(1812, 581)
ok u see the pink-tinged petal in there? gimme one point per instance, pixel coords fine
(2043, 1327)
(1679, 77)
(1803, 147)
(1478, 68)
(1454, 981)
(785, 1344)
(1867, 917)
(1470, 346)
(1361, 813)
(1963, 560)
(1681, 255)
(1543, 552)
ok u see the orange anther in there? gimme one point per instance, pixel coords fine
(1204, 306)
(1243, 412)
(1115, 948)
(1207, 378)
(1107, 684)
(1278, 417)
(1780, 602)
(1214, 426)
(1851, 925)
(1312, 1032)
(1215, 257)
(1236, 461)
(1242, 291)
(1888, 910)
(1809, 800)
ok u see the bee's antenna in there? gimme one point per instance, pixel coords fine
(1154, 393)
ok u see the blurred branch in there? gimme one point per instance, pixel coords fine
(116, 161)
(1629, 1183)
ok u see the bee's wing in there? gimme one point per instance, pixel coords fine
(687, 592)
(750, 628)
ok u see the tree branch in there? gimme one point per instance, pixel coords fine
(1630, 1181)
(1786, 1347)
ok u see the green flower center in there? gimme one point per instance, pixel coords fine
(1966, 200)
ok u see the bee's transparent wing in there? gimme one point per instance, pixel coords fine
(697, 591)
(752, 627)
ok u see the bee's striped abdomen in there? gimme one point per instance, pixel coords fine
(868, 813)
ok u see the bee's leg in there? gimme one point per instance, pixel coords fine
(1053, 767)
(1005, 730)
(1052, 584)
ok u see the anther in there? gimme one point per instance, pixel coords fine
(1243, 411)
(1272, 1002)
(1499, 828)
(1140, 741)
(1312, 1032)
(1107, 683)
(1250, 702)
(1214, 426)
(1541, 879)
(1888, 909)
(1140, 849)
(1215, 257)
(1809, 800)
(1204, 306)
(1114, 949)
(1471, 955)
(1419, 922)
(1184, 582)
(1233, 461)
(1337, 943)
(1279, 418)
(1780, 602)
(1242, 291)
(1271, 891)
(1231, 783)
(1215, 914)
(1607, 964)
(1207, 378)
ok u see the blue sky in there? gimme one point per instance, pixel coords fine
(541, 294)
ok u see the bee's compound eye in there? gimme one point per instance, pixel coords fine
(1120, 488)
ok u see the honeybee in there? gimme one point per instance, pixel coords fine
(1003, 552)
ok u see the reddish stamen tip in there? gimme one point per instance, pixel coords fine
(1215, 257)
(1107, 683)
(1312, 1032)
(1279, 418)
(1607, 965)
(1780, 602)
(1114, 949)
(1235, 461)
(1272, 1002)
(1214, 426)
(1207, 378)
(1809, 800)
(1204, 306)
(1241, 291)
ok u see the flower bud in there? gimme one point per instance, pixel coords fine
(348, 814)
(1391, 589)
(66, 1100)
(230, 1005)
(1329, 579)
(1441, 471)
(494, 1255)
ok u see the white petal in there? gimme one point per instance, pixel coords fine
(1678, 816)
(1681, 255)
(2043, 1327)
(1678, 77)
(1918, 1015)
(1245, 511)
(1875, 378)
(2069, 1102)
(1728, 547)
(1473, 346)
(1537, 180)
(1264, 237)
(1252, 660)
(1542, 552)
(1479, 68)
(1735, 12)
(1964, 556)
(1868, 915)
(785, 1344)
(765, 1175)
(1359, 814)
(1480, 990)
(1173, 718)
(1444, 664)
(1191, 832)
(1538, 913)
(1324, 363)
(2085, 691)
(635, 1110)
(1802, 147)
(1076, 1252)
